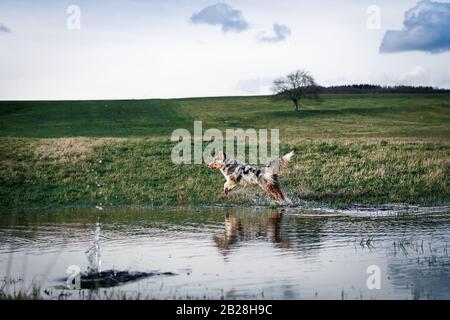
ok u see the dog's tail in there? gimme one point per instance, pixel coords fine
(275, 166)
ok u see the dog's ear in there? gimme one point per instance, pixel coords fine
(221, 155)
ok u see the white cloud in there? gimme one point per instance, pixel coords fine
(280, 33)
(221, 14)
(415, 76)
(426, 28)
(254, 86)
(4, 28)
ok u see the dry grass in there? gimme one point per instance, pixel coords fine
(70, 150)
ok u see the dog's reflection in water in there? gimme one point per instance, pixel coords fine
(238, 230)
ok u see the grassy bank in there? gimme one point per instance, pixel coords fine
(130, 171)
(366, 149)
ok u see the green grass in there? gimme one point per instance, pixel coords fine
(367, 149)
(378, 115)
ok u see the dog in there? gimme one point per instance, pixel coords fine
(239, 230)
(241, 174)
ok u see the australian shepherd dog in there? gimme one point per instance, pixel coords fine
(241, 174)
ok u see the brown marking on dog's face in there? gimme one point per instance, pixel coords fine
(218, 162)
(214, 166)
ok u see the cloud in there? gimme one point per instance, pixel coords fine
(426, 27)
(281, 32)
(254, 85)
(4, 28)
(221, 14)
(416, 76)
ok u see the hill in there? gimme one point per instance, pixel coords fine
(357, 148)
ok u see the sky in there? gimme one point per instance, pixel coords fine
(134, 49)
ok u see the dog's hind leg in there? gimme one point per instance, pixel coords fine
(273, 188)
(278, 195)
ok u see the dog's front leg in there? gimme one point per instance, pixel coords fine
(228, 186)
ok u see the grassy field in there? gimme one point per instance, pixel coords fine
(351, 149)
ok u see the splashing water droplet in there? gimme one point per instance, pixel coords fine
(93, 253)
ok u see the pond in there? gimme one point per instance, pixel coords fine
(231, 253)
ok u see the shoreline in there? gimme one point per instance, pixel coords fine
(357, 210)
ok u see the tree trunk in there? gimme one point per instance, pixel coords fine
(296, 104)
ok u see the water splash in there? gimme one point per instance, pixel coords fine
(96, 278)
(93, 253)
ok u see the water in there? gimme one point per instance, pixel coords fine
(224, 253)
(93, 253)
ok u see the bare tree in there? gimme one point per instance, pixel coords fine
(295, 86)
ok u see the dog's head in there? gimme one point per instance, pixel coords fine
(218, 162)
